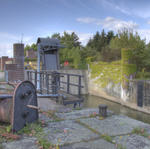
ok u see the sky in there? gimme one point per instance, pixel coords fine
(26, 20)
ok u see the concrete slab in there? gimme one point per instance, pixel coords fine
(67, 132)
(114, 125)
(97, 144)
(45, 118)
(133, 142)
(25, 143)
(76, 114)
(46, 104)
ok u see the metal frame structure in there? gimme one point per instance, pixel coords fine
(52, 84)
(47, 49)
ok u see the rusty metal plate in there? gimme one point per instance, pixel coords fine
(24, 95)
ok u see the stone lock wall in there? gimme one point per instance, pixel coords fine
(116, 81)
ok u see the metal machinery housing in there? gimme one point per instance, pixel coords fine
(48, 53)
(19, 108)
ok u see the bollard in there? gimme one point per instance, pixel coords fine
(103, 110)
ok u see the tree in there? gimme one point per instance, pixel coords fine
(129, 40)
(70, 40)
(34, 47)
(110, 35)
(56, 35)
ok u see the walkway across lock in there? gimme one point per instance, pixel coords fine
(55, 84)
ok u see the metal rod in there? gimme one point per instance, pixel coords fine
(68, 83)
(33, 107)
(79, 87)
(38, 66)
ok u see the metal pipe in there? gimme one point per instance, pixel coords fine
(38, 66)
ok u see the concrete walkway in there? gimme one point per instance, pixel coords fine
(84, 129)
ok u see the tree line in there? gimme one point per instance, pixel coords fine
(103, 46)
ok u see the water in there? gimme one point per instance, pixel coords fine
(94, 101)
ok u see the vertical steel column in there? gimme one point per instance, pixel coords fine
(40, 74)
(79, 87)
(28, 75)
(35, 79)
(38, 67)
(140, 86)
(53, 82)
(68, 83)
(47, 82)
(31, 76)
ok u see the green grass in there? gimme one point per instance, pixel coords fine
(107, 138)
(51, 114)
(119, 146)
(4, 128)
(140, 131)
(33, 128)
(88, 127)
(36, 130)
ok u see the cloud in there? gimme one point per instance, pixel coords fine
(123, 10)
(6, 50)
(7, 40)
(84, 37)
(144, 34)
(87, 20)
(114, 24)
(148, 22)
(128, 7)
(109, 23)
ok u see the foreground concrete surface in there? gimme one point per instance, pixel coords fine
(84, 129)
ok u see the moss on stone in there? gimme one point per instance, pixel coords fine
(103, 72)
(128, 69)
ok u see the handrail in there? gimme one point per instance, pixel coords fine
(50, 81)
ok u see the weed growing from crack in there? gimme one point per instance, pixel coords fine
(119, 146)
(107, 138)
(140, 131)
(51, 114)
(88, 127)
(36, 130)
(6, 133)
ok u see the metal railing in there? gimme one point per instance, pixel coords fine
(53, 82)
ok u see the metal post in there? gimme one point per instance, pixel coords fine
(40, 83)
(35, 79)
(68, 83)
(38, 67)
(28, 75)
(79, 87)
(31, 76)
(53, 82)
(47, 82)
(140, 86)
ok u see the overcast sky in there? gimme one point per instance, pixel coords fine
(31, 19)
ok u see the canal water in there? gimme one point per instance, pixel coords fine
(94, 101)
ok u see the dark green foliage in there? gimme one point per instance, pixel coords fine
(30, 59)
(70, 40)
(98, 47)
(33, 46)
(29, 47)
(103, 46)
(100, 40)
(56, 35)
(72, 51)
